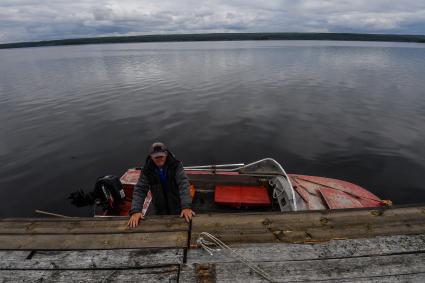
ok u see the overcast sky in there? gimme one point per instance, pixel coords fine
(29, 20)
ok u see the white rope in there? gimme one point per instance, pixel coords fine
(205, 244)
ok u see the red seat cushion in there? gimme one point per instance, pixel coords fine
(242, 195)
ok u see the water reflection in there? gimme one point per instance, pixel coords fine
(348, 110)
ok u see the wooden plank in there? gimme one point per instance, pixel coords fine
(306, 234)
(65, 219)
(316, 270)
(316, 218)
(264, 252)
(160, 223)
(411, 278)
(354, 231)
(91, 225)
(8, 257)
(90, 259)
(93, 241)
(311, 225)
(163, 274)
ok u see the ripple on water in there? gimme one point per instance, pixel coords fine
(347, 110)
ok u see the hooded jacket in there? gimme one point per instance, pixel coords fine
(169, 200)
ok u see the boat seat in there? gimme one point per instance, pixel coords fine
(237, 196)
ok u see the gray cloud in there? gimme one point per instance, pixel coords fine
(28, 20)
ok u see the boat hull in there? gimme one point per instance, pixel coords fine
(314, 193)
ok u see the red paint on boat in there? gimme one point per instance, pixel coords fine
(129, 180)
(315, 192)
(338, 199)
(206, 172)
(237, 196)
(328, 193)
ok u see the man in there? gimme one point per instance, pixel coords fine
(164, 176)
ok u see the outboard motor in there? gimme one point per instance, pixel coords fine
(108, 192)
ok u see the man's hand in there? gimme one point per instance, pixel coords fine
(187, 213)
(134, 219)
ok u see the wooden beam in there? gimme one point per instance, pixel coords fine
(91, 226)
(348, 269)
(265, 252)
(93, 241)
(90, 259)
(311, 226)
(294, 227)
(160, 274)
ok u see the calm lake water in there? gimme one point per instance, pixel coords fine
(347, 110)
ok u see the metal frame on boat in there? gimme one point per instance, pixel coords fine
(254, 168)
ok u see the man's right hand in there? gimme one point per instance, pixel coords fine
(134, 219)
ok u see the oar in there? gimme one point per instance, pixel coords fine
(51, 214)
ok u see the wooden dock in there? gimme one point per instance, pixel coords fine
(358, 245)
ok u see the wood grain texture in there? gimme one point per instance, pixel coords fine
(93, 241)
(311, 226)
(410, 278)
(91, 225)
(265, 252)
(162, 274)
(90, 259)
(317, 270)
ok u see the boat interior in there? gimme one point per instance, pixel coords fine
(258, 186)
(261, 186)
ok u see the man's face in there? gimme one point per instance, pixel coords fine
(159, 160)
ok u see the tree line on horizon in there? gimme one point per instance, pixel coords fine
(221, 37)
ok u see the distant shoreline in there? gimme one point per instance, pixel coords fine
(221, 37)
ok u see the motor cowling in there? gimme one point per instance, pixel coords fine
(109, 191)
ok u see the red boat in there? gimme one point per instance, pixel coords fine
(259, 186)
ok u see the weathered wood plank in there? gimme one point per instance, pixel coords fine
(312, 225)
(90, 259)
(163, 274)
(93, 241)
(65, 219)
(319, 234)
(318, 218)
(91, 225)
(271, 221)
(411, 278)
(7, 257)
(315, 270)
(264, 252)
(306, 234)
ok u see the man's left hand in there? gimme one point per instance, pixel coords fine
(187, 213)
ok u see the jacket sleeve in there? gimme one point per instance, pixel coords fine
(183, 183)
(140, 192)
